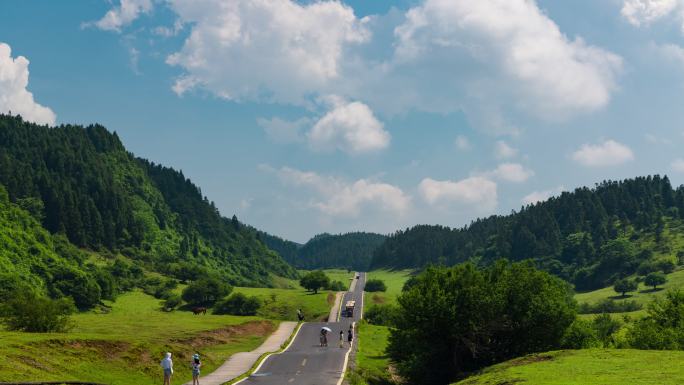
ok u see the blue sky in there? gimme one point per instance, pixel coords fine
(305, 117)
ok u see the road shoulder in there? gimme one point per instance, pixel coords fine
(240, 363)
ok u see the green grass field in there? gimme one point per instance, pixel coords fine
(282, 304)
(643, 295)
(125, 345)
(371, 361)
(340, 275)
(395, 282)
(581, 367)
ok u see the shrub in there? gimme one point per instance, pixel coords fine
(238, 304)
(172, 302)
(373, 285)
(609, 306)
(606, 327)
(580, 335)
(206, 291)
(74, 283)
(159, 288)
(663, 327)
(337, 286)
(32, 313)
(315, 280)
(381, 315)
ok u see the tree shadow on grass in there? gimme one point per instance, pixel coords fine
(652, 290)
(619, 297)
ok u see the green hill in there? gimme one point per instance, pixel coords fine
(580, 367)
(590, 237)
(72, 188)
(328, 251)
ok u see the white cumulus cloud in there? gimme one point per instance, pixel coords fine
(339, 198)
(479, 192)
(277, 50)
(608, 153)
(540, 196)
(645, 12)
(511, 172)
(14, 78)
(123, 15)
(522, 54)
(350, 127)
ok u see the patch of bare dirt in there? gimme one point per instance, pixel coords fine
(103, 348)
(28, 361)
(228, 334)
(378, 299)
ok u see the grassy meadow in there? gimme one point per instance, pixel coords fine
(643, 295)
(124, 345)
(591, 366)
(371, 361)
(394, 280)
(282, 303)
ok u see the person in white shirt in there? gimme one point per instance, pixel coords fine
(167, 365)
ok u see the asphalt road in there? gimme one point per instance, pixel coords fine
(305, 362)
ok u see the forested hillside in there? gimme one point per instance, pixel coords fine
(81, 183)
(590, 237)
(351, 250)
(327, 251)
(31, 259)
(287, 249)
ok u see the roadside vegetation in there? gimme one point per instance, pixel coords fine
(589, 366)
(372, 366)
(389, 332)
(122, 343)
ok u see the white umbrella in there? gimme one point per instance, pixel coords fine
(326, 329)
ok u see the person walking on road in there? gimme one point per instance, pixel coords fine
(300, 315)
(324, 337)
(341, 339)
(350, 336)
(196, 365)
(167, 366)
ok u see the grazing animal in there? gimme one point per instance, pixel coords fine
(198, 310)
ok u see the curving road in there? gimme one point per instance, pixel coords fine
(305, 362)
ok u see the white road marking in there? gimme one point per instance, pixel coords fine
(304, 362)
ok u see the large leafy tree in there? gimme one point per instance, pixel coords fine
(206, 291)
(654, 279)
(315, 280)
(624, 286)
(465, 319)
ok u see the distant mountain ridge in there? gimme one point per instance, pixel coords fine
(351, 250)
(590, 237)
